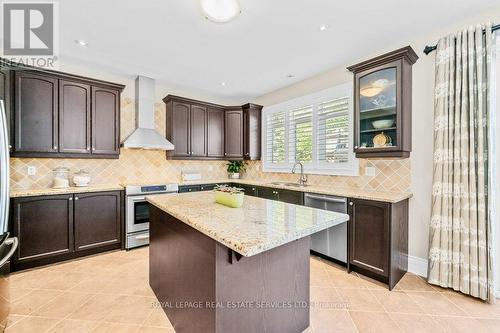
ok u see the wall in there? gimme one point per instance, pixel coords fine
(422, 133)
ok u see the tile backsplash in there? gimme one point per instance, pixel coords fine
(148, 166)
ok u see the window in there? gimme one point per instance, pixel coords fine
(315, 129)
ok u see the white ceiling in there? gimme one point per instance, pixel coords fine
(170, 40)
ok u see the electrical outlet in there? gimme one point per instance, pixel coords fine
(370, 171)
(210, 168)
(31, 170)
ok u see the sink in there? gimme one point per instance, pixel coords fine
(287, 184)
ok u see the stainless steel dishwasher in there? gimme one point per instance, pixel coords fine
(332, 242)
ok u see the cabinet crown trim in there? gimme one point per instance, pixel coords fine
(406, 52)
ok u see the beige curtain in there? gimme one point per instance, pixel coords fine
(461, 249)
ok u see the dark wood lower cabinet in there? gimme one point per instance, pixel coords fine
(97, 219)
(293, 197)
(378, 239)
(44, 226)
(53, 228)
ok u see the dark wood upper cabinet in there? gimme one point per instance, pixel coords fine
(43, 225)
(202, 130)
(178, 114)
(382, 104)
(378, 239)
(36, 113)
(63, 115)
(97, 219)
(198, 131)
(252, 115)
(6, 95)
(215, 132)
(74, 117)
(105, 121)
(233, 133)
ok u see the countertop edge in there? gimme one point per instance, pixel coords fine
(246, 253)
(70, 190)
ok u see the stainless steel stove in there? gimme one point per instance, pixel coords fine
(137, 211)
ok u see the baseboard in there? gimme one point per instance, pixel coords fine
(417, 266)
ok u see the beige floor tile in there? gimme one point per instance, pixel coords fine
(461, 324)
(73, 326)
(320, 278)
(127, 286)
(31, 325)
(130, 310)
(104, 327)
(489, 325)
(32, 279)
(373, 284)
(360, 299)
(96, 307)
(12, 319)
(411, 282)
(62, 305)
(473, 306)
(152, 329)
(93, 284)
(345, 280)
(416, 323)
(326, 320)
(17, 293)
(435, 303)
(33, 301)
(373, 322)
(396, 301)
(157, 318)
(65, 280)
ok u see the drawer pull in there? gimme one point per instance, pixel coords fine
(142, 237)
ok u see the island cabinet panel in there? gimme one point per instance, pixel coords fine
(199, 270)
(252, 131)
(233, 133)
(215, 135)
(74, 117)
(44, 227)
(378, 239)
(97, 219)
(198, 131)
(36, 113)
(249, 189)
(293, 197)
(54, 228)
(6, 95)
(105, 121)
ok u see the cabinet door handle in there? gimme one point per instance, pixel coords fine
(88, 148)
(351, 203)
(76, 198)
(70, 198)
(190, 189)
(355, 147)
(55, 147)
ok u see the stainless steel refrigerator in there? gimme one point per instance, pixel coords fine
(7, 244)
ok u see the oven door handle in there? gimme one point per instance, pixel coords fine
(137, 199)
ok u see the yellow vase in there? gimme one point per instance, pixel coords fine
(234, 200)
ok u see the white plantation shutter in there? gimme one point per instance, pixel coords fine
(333, 131)
(300, 135)
(275, 138)
(315, 129)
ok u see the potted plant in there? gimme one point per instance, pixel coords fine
(229, 196)
(234, 168)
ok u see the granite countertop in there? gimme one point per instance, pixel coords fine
(14, 193)
(384, 196)
(259, 225)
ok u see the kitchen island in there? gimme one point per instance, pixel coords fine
(220, 269)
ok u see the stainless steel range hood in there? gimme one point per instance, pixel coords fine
(145, 136)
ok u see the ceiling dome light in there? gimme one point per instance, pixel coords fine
(81, 42)
(220, 11)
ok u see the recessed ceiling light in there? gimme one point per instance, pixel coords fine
(81, 42)
(290, 76)
(220, 11)
(223, 84)
(323, 27)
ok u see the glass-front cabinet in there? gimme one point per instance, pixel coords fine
(382, 95)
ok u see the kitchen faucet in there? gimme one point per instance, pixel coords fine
(302, 178)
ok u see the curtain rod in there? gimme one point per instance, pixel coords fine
(428, 49)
